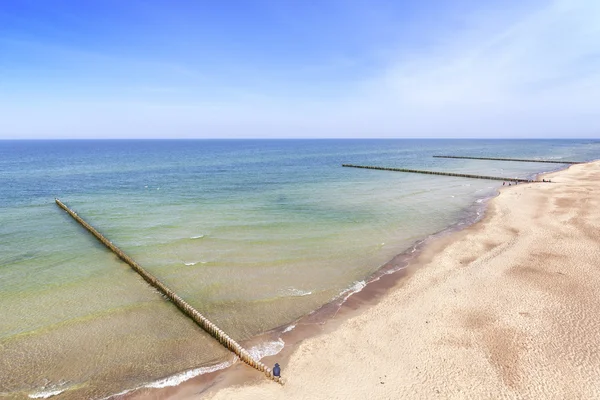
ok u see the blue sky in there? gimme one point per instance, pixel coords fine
(293, 68)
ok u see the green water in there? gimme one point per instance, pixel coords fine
(254, 234)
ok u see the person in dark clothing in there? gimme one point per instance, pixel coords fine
(276, 370)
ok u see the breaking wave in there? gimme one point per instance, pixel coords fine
(46, 394)
(187, 375)
(266, 349)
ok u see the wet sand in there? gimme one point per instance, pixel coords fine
(507, 308)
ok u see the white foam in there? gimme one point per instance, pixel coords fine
(479, 201)
(197, 237)
(266, 349)
(297, 292)
(357, 287)
(289, 328)
(190, 263)
(184, 376)
(391, 271)
(117, 394)
(46, 394)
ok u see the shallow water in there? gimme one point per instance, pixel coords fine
(254, 234)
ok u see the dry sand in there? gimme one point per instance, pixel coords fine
(508, 308)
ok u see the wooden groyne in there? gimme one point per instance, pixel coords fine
(512, 159)
(417, 171)
(187, 309)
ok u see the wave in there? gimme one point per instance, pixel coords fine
(289, 328)
(118, 394)
(197, 237)
(50, 390)
(357, 287)
(266, 349)
(297, 292)
(46, 394)
(194, 263)
(187, 375)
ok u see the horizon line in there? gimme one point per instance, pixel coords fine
(299, 138)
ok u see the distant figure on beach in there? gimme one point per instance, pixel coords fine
(543, 180)
(503, 183)
(276, 370)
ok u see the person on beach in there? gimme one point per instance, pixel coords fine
(276, 370)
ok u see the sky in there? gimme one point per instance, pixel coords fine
(299, 69)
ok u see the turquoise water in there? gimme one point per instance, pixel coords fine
(253, 233)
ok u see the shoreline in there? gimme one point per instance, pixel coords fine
(488, 316)
(318, 322)
(237, 377)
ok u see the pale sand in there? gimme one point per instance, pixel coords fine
(508, 308)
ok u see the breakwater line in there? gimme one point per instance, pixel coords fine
(417, 171)
(512, 159)
(181, 304)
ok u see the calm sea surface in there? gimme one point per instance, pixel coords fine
(253, 233)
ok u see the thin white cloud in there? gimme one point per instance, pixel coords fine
(530, 78)
(533, 74)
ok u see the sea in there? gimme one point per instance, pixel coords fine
(254, 234)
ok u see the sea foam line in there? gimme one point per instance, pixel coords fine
(357, 287)
(46, 394)
(187, 375)
(189, 264)
(297, 292)
(118, 394)
(266, 349)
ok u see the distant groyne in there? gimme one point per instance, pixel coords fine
(417, 171)
(512, 159)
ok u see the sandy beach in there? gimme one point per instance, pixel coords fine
(313, 184)
(507, 308)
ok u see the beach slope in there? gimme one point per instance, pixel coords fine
(507, 308)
